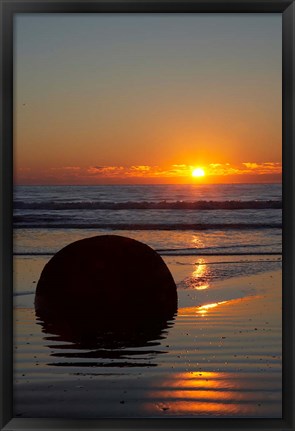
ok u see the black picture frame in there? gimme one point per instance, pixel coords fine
(11, 7)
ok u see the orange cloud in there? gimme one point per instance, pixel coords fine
(141, 168)
(103, 170)
(215, 172)
(66, 168)
(263, 168)
(251, 165)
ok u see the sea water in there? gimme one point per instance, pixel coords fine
(176, 218)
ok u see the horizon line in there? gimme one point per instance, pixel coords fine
(147, 184)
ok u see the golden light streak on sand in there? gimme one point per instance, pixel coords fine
(200, 273)
(200, 393)
(202, 287)
(203, 309)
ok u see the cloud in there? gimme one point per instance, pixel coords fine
(251, 165)
(98, 168)
(66, 168)
(255, 168)
(218, 169)
(141, 168)
(263, 168)
(76, 174)
(104, 170)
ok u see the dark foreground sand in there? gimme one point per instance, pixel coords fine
(220, 357)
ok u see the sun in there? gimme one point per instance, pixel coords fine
(198, 172)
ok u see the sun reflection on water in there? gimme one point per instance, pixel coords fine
(200, 275)
(197, 242)
(203, 309)
(200, 393)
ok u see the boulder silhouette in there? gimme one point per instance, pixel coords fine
(109, 279)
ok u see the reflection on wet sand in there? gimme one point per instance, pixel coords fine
(202, 310)
(203, 393)
(200, 275)
(105, 341)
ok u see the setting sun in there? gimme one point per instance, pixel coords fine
(198, 172)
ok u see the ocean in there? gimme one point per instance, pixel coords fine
(219, 356)
(178, 219)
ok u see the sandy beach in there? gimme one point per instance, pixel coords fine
(219, 357)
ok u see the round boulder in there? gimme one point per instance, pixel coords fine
(106, 276)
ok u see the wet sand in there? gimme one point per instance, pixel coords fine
(219, 357)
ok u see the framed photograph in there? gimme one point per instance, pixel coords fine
(147, 211)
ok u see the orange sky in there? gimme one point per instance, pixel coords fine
(110, 99)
